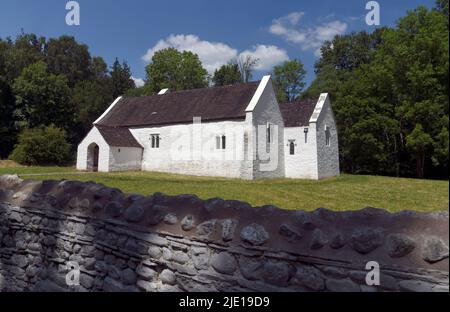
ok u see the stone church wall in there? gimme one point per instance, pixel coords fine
(128, 242)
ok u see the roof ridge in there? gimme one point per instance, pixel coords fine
(196, 89)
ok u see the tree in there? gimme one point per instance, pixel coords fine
(98, 68)
(383, 86)
(66, 56)
(227, 74)
(89, 99)
(175, 70)
(27, 49)
(247, 65)
(419, 142)
(41, 98)
(288, 80)
(121, 78)
(42, 146)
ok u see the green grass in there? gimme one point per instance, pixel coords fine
(347, 192)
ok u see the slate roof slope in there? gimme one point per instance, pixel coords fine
(118, 136)
(298, 113)
(213, 103)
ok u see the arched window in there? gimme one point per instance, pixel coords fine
(291, 147)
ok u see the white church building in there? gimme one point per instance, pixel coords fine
(236, 131)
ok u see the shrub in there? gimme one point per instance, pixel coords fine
(42, 146)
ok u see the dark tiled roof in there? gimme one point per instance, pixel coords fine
(116, 136)
(214, 103)
(298, 113)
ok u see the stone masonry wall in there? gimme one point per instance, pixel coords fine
(128, 242)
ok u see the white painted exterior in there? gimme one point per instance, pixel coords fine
(191, 148)
(177, 153)
(125, 158)
(313, 159)
(93, 137)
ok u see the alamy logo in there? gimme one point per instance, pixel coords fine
(230, 142)
(373, 276)
(373, 17)
(73, 16)
(73, 276)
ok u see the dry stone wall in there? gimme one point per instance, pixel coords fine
(128, 242)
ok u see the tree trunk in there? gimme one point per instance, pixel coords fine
(419, 165)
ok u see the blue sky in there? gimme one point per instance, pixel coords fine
(133, 30)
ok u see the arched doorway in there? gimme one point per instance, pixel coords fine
(92, 157)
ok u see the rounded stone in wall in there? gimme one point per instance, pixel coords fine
(364, 240)
(318, 239)
(170, 218)
(114, 209)
(187, 223)
(154, 252)
(250, 268)
(276, 273)
(434, 249)
(84, 204)
(337, 241)
(134, 213)
(254, 234)
(228, 229)
(399, 245)
(156, 214)
(224, 263)
(168, 277)
(97, 207)
(206, 228)
(129, 277)
(145, 272)
(310, 278)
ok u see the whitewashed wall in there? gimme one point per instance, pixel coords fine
(266, 111)
(178, 153)
(93, 136)
(328, 156)
(125, 158)
(303, 164)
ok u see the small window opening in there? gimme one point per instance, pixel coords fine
(291, 147)
(327, 136)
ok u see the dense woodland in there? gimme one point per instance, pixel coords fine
(389, 90)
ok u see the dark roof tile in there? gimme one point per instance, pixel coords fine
(117, 136)
(214, 103)
(298, 113)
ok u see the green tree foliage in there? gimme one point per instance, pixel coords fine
(89, 99)
(121, 80)
(175, 70)
(227, 74)
(65, 56)
(419, 142)
(41, 98)
(54, 82)
(390, 95)
(288, 80)
(42, 146)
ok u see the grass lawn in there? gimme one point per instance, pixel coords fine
(347, 192)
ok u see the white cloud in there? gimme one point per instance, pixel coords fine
(212, 54)
(310, 38)
(138, 82)
(268, 56)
